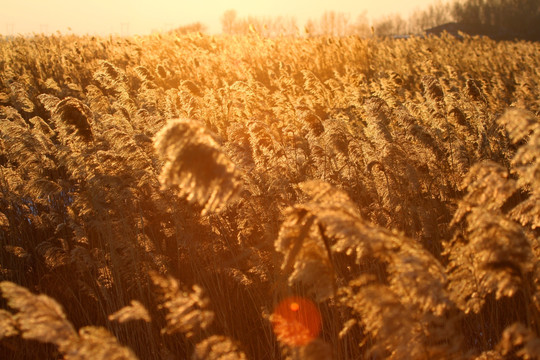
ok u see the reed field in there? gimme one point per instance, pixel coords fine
(241, 197)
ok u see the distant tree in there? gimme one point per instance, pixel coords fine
(264, 26)
(310, 28)
(279, 25)
(437, 13)
(470, 11)
(191, 28)
(228, 20)
(334, 24)
(361, 26)
(519, 17)
(390, 25)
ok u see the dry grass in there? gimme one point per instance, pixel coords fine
(162, 197)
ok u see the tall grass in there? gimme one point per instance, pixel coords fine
(162, 197)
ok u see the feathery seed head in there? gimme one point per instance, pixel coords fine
(195, 163)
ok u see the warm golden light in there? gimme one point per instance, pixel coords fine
(142, 16)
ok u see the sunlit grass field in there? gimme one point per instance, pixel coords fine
(239, 197)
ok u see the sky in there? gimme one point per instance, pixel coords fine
(131, 17)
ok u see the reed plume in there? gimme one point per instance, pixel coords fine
(407, 277)
(524, 131)
(519, 340)
(134, 311)
(41, 318)
(186, 311)
(8, 325)
(195, 164)
(217, 347)
(73, 117)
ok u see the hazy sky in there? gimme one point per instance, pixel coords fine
(143, 16)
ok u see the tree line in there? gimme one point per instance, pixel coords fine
(516, 18)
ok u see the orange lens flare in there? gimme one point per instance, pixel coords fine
(296, 321)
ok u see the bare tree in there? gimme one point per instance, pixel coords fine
(191, 28)
(518, 17)
(228, 20)
(361, 26)
(436, 14)
(334, 24)
(390, 25)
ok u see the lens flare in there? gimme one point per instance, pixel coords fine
(296, 321)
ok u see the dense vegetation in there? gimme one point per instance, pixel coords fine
(519, 18)
(160, 195)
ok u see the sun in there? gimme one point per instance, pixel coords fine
(296, 321)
